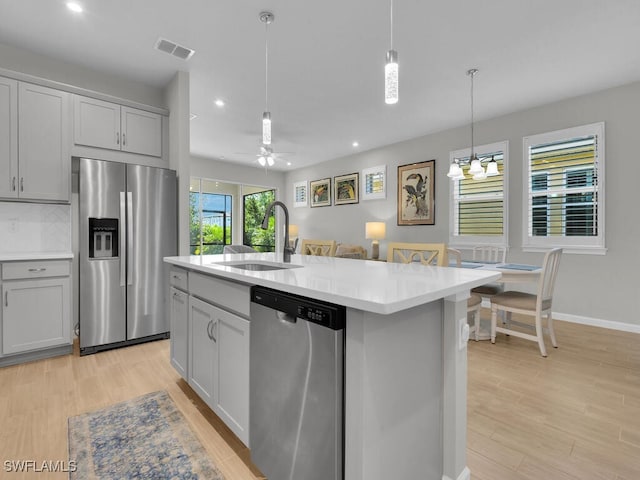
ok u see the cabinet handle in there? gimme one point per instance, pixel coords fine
(22, 184)
(177, 277)
(13, 184)
(38, 269)
(215, 325)
(124, 139)
(209, 325)
(6, 299)
(117, 138)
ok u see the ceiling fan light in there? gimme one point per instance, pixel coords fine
(391, 78)
(266, 128)
(492, 168)
(270, 161)
(262, 161)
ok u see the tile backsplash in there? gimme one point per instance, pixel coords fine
(34, 228)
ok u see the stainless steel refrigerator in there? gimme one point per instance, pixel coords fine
(127, 224)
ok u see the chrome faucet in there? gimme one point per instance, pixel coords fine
(265, 224)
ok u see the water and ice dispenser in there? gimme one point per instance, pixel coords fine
(103, 237)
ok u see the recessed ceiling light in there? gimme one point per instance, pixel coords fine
(288, 164)
(219, 103)
(355, 144)
(74, 7)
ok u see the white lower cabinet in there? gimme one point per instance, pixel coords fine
(179, 314)
(36, 314)
(219, 363)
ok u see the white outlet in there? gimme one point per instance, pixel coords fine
(463, 339)
(14, 225)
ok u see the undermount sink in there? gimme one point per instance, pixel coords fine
(257, 266)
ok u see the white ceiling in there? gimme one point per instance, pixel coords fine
(326, 62)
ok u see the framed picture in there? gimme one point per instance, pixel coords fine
(320, 192)
(300, 194)
(346, 189)
(416, 193)
(374, 183)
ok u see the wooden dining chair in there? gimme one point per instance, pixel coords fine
(474, 302)
(426, 253)
(325, 248)
(489, 253)
(536, 305)
(493, 254)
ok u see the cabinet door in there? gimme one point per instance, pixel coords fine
(232, 393)
(141, 132)
(203, 349)
(179, 331)
(8, 137)
(96, 123)
(35, 314)
(43, 130)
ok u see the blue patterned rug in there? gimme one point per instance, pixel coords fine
(143, 438)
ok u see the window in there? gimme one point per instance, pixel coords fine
(479, 207)
(210, 219)
(564, 178)
(254, 207)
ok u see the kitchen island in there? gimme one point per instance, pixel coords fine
(405, 351)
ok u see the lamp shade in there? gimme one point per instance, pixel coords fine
(293, 230)
(375, 230)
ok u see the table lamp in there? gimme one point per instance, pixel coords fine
(293, 236)
(375, 231)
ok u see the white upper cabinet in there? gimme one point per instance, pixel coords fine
(35, 159)
(8, 137)
(107, 125)
(44, 158)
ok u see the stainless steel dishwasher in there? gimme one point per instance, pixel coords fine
(296, 419)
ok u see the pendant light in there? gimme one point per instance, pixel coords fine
(391, 69)
(475, 168)
(492, 168)
(266, 18)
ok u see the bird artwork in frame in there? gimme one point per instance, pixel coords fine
(346, 189)
(416, 193)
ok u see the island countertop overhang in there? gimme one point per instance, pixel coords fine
(371, 286)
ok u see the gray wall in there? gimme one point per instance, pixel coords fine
(25, 61)
(594, 289)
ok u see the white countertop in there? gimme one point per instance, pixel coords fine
(23, 256)
(372, 286)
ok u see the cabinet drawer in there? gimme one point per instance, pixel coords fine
(224, 293)
(178, 278)
(36, 269)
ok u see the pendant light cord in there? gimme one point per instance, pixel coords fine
(391, 23)
(472, 72)
(266, 67)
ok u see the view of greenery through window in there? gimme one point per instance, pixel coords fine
(218, 208)
(210, 222)
(254, 206)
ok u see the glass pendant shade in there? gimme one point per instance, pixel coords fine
(454, 170)
(391, 78)
(476, 167)
(492, 168)
(270, 161)
(262, 161)
(480, 175)
(266, 128)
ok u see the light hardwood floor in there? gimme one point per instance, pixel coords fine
(573, 415)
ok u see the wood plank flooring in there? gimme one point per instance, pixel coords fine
(573, 415)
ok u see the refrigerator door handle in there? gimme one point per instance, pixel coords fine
(123, 266)
(129, 238)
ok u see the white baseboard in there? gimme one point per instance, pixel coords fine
(464, 475)
(597, 322)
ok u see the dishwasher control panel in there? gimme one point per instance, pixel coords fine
(326, 314)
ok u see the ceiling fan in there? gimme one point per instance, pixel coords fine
(267, 157)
